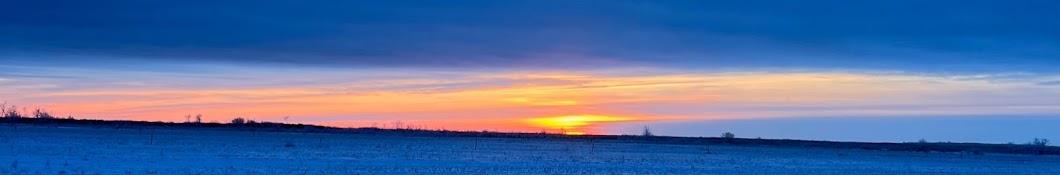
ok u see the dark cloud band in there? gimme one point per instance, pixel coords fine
(903, 35)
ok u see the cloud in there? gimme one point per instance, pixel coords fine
(940, 36)
(1049, 83)
(368, 95)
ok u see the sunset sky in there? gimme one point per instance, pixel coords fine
(896, 71)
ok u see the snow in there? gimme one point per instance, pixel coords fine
(72, 150)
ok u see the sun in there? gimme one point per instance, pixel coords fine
(574, 124)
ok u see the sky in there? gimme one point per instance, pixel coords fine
(886, 71)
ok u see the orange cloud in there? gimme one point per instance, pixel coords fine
(573, 100)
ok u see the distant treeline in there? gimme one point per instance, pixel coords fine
(922, 146)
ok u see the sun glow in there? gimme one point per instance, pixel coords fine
(574, 124)
(570, 103)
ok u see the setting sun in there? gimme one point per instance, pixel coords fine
(574, 124)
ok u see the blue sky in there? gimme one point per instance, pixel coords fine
(685, 60)
(930, 36)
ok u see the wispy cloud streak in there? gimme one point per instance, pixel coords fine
(420, 94)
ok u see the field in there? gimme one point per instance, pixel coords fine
(86, 150)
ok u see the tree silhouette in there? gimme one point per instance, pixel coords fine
(239, 121)
(647, 132)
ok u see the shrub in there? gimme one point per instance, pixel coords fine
(41, 114)
(728, 135)
(239, 121)
(10, 112)
(1039, 142)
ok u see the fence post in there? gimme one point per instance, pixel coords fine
(592, 149)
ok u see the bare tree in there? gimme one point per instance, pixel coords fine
(42, 114)
(3, 110)
(10, 112)
(647, 132)
(198, 118)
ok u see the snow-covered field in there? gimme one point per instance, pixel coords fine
(63, 150)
